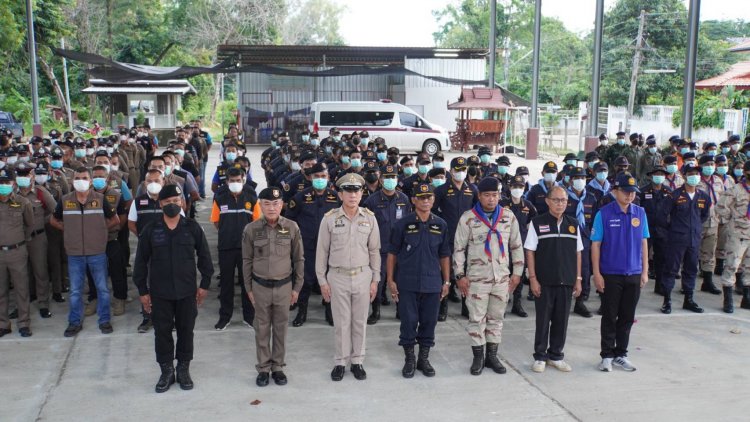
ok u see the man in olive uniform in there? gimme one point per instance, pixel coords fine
(615, 151)
(17, 221)
(601, 149)
(348, 270)
(734, 208)
(487, 242)
(273, 267)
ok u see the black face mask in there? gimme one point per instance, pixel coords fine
(171, 210)
(371, 177)
(472, 170)
(392, 160)
(355, 142)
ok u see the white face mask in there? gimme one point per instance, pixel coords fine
(81, 185)
(114, 167)
(153, 188)
(550, 177)
(579, 184)
(40, 179)
(235, 187)
(516, 193)
(459, 176)
(296, 166)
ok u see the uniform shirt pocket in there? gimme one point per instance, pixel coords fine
(260, 247)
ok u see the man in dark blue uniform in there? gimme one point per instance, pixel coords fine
(389, 206)
(653, 197)
(486, 167)
(537, 195)
(424, 165)
(300, 180)
(599, 185)
(307, 209)
(419, 245)
(451, 200)
(582, 207)
(686, 209)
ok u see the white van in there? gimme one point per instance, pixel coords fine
(399, 125)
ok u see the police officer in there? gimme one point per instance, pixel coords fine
(232, 210)
(424, 165)
(583, 207)
(299, 181)
(653, 197)
(686, 210)
(649, 160)
(485, 167)
(17, 221)
(599, 186)
(165, 274)
(673, 179)
(348, 270)
(220, 176)
(486, 237)
(616, 150)
(55, 248)
(537, 195)
(272, 262)
(419, 244)
(389, 206)
(503, 174)
(633, 153)
(601, 149)
(713, 185)
(722, 170)
(733, 208)
(307, 209)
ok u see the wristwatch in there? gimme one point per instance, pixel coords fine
(459, 276)
(579, 278)
(447, 283)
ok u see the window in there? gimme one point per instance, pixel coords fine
(5, 118)
(408, 119)
(356, 118)
(147, 106)
(161, 104)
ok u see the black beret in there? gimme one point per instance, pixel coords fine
(670, 159)
(705, 159)
(317, 168)
(270, 194)
(169, 191)
(488, 184)
(436, 172)
(6, 174)
(633, 136)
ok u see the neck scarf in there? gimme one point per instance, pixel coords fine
(579, 208)
(495, 218)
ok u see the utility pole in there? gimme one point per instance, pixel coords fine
(67, 87)
(636, 64)
(493, 40)
(37, 127)
(690, 64)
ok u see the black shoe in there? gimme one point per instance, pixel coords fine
(183, 375)
(678, 276)
(329, 314)
(423, 363)
(338, 373)
(106, 328)
(443, 313)
(4, 331)
(464, 309)
(409, 362)
(45, 313)
(581, 309)
(375, 315)
(301, 317)
(262, 379)
(745, 303)
(221, 325)
(739, 282)
(65, 289)
(13, 314)
(453, 296)
(728, 300)
(24, 332)
(719, 268)
(279, 377)
(167, 377)
(145, 326)
(477, 364)
(293, 307)
(666, 306)
(491, 361)
(72, 330)
(689, 304)
(708, 283)
(530, 296)
(359, 372)
(384, 300)
(32, 298)
(57, 297)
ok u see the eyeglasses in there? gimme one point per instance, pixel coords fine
(558, 201)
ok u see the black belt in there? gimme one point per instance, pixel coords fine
(11, 247)
(271, 283)
(37, 232)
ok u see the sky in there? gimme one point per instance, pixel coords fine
(409, 23)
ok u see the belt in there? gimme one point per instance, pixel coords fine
(37, 232)
(11, 247)
(349, 271)
(271, 283)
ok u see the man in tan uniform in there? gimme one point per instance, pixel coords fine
(487, 241)
(734, 209)
(348, 269)
(272, 268)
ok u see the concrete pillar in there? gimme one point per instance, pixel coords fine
(532, 143)
(590, 144)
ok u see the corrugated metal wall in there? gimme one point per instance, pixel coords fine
(471, 69)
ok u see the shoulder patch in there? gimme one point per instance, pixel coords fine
(330, 212)
(367, 211)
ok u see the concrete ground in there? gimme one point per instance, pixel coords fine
(690, 367)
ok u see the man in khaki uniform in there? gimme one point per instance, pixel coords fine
(734, 209)
(487, 240)
(16, 220)
(348, 269)
(713, 185)
(273, 269)
(135, 155)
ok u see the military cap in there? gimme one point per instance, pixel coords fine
(601, 166)
(56, 152)
(657, 169)
(169, 191)
(350, 181)
(670, 159)
(36, 139)
(591, 155)
(517, 181)
(488, 184)
(42, 153)
(6, 175)
(651, 137)
(549, 167)
(424, 189)
(503, 160)
(626, 182)
(369, 155)
(458, 163)
(436, 172)
(473, 160)
(620, 133)
(54, 133)
(23, 169)
(317, 168)
(522, 170)
(603, 137)
(687, 155)
(22, 148)
(570, 156)
(306, 156)
(389, 170)
(484, 151)
(576, 172)
(674, 139)
(705, 159)
(41, 168)
(633, 136)
(101, 153)
(370, 166)
(721, 158)
(622, 161)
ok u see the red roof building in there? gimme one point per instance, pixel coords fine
(738, 76)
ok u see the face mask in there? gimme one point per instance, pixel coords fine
(691, 163)
(2, 165)
(658, 180)
(672, 168)
(90, 151)
(737, 172)
(424, 168)
(408, 171)
(40, 179)
(329, 150)
(106, 166)
(364, 141)
(603, 143)
(274, 144)
(56, 164)
(684, 151)
(296, 166)
(171, 210)
(320, 183)
(735, 147)
(123, 137)
(620, 142)
(566, 179)
(438, 164)
(79, 153)
(356, 162)
(23, 182)
(724, 150)
(484, 159)
(579, 184)
(593, 163)
(231, 156)
(525, 178)
(235, 187)
(305, 138)
(110, 150)
(708, 170)
(337, 138)
(389, 184)
(438, 182)
(167, 170)
(472, 171)
(24, 159)
(81, 185)
(99, 183)
(572, 162)
(315, 142)
(371, 177)
(459, 176)
(153, 188)
(6, 190)
(712, 153)
(601, 176)
(722, 170)
(502, 170)
(12, 160)
(652, 150)
(516, 193)
(382, 156)
(180, 152)
(345, 160)
(549, 177)
(693, 180)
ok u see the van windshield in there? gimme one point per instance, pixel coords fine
(356, 118)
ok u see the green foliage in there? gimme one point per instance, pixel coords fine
(708, 106)
(140, 117)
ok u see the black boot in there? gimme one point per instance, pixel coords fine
(728, 300)
(739, 279)
(581, 309)
(464, 309)
(491, 361)
(423, 363)
(443, 313)
(478, 363)
(719, 268)
(689, 304)
(708, 283)
(651, 273)
(301, 317)
(745, 303)
(517, 308)
(666, 307)
(329, 314)
(183, 375)
(375, 315)
(409, 362)
(167, 377)
(600, 311)
(658, 289)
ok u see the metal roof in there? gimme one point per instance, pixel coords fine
(743, 46)
(737, 76)
(479, 99)
(318, 55)
(171, 86)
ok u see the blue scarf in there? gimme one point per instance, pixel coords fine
(595, 185)
(579, 208)
(492, 225)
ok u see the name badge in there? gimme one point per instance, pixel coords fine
(399, 213)
(649, 196)
(144, 202)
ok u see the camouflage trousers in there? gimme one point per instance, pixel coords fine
(486, 303)
(707, 252)
(721, 242)
(737, 260)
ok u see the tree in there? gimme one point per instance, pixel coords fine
(312, 22)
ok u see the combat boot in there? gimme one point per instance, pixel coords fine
(708, 283)
(491, 361)
(118, 306)
(478, 363)
(517, 308)
(666, 307)
(689, 304)
(329, 314)
(739, 281)
(423, 363)
(90, 308)
(167, 377)
(719, 268)
(443, 313)
(301, 317)
(728, 300)
(183, 375)
(581, 309)
(409, 362)
(745, 303)
(375, 315)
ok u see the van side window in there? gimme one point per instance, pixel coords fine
(408, 119)
(356, 118)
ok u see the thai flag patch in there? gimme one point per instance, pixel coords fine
(543, 229)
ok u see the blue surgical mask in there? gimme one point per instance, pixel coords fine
(707, 170)
(601, 176)
(382, 156)
(438, 182)
(364, 141)
(485, 158)
(671, 168)
(274, 144)
(356, 162)
(345, 160)
(592, 163)
(99, 183)
(305, 138)
(652, 150)
(424, 168)
(693, 180)
(712, 153)
(23, 182)
(737, 172)
(572, 162)
(319, 184)
(684, 150)
(438, 164)
(315, 142)
(390, 183)
(80, 153)
(722, 170)
(6, 190)
(231, 156)
(502, 170)
(408, 171)
(56, 164)
(329, 150)
(658, 179)
(620, 142)
(725, 150)
(566, 179)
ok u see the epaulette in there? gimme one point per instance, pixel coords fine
(330, 212)
(367, 211)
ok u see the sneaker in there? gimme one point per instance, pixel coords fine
(248, 324)
(146, 325)
(72, 330)
(106, 328)
(538, 366)
(624, 363)
(221, 325)
(560, 365)
(606, 365)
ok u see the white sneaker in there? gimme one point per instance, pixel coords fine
(624, 363)
(247, 324)
(606, 365)
(538, 366)
(560, 365)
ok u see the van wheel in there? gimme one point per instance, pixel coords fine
(431, 147)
